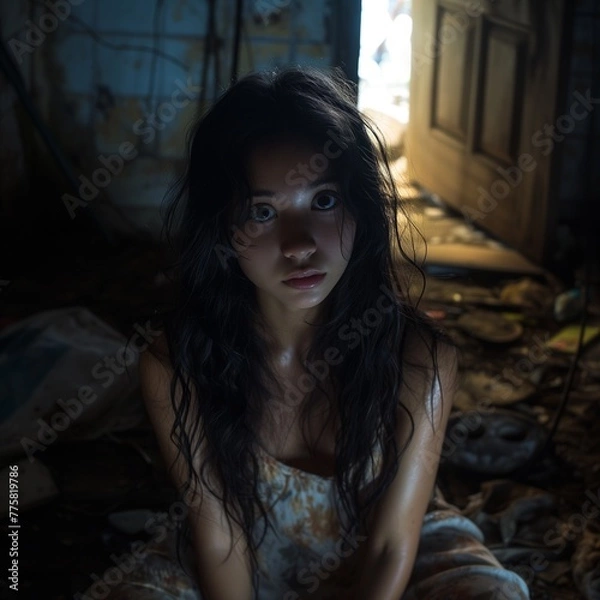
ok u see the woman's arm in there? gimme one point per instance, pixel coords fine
(397, 520)
(219, 577)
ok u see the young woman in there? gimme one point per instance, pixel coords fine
(298, 395)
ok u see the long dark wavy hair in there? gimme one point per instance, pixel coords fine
(218, 358)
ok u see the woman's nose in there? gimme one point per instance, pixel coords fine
(297, 242)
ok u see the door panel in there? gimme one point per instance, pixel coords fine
(497, 120)
(484, 81)
(451, 83)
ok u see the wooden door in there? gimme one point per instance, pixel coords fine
(484, 87)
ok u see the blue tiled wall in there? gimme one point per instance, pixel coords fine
(85, 65)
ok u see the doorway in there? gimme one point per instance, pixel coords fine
(384, 68)
(458, 95)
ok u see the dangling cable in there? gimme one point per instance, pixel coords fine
(589, 255)
(207, 53)
(13, 75)
(574, 364)
(239, 11)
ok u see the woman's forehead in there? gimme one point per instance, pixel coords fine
(288, 143)
(287, 159)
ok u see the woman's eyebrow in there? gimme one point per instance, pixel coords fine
(311, 185)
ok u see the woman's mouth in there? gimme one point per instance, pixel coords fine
(304, 283)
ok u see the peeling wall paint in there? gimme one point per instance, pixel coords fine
(95, 85)
(98, 87)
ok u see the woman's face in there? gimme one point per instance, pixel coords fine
(295, 224)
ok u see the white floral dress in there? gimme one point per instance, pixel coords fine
(306, 555)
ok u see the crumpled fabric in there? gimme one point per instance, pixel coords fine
(452, 563)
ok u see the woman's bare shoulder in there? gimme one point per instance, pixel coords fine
(424, 344)
(157, 355)
(429, 362)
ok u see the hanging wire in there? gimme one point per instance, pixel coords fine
(207, 53)
(589, 258)
(239, 11)
(214, 42)
(158, 9)
(574, 364)
(100, 40)
(248, 45)
(588, 245)
(15, 78)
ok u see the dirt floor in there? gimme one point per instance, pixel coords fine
(540, 515)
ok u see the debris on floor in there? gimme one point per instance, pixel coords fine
(541, 518)
(540, 513)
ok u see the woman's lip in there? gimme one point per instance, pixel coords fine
(305, 282)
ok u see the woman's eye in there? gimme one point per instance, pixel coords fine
(327, 200)
(260, 212)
